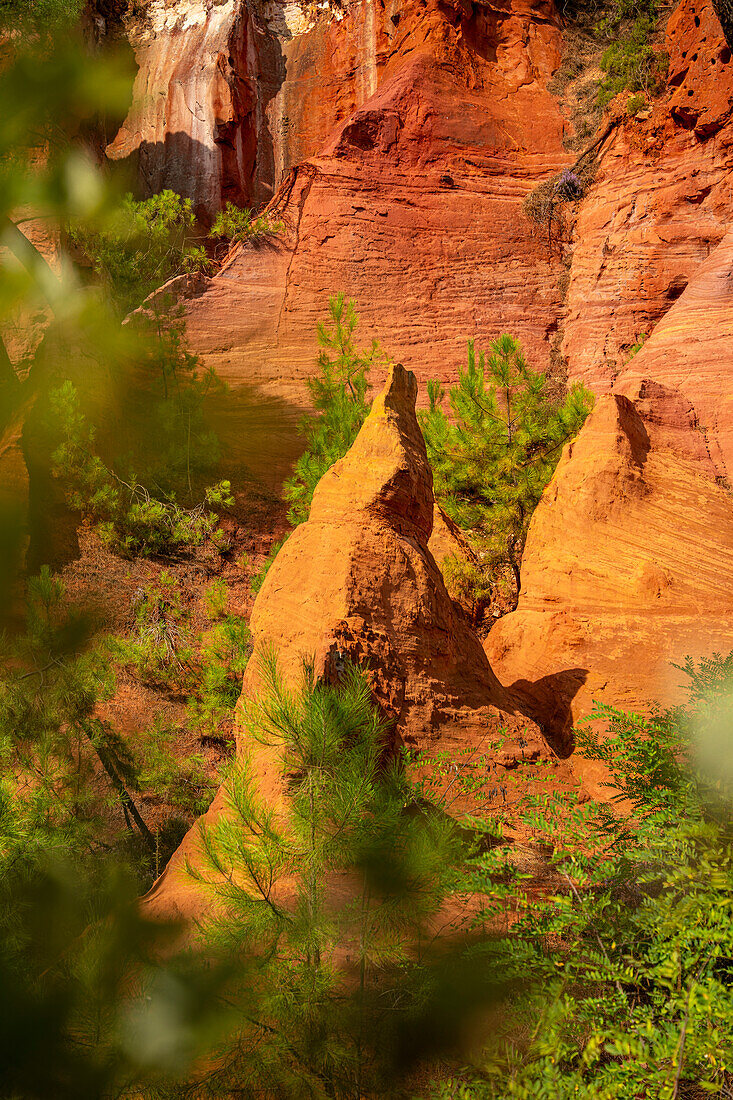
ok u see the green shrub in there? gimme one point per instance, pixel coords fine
(634, 104)
(215, 599)
(130, 520)
(332, 1000)
(494, 456)
(630, 62)
(626, 961)
(339, 395)
(225, 652)
(141, 245)
(162, 649)
(235, 223)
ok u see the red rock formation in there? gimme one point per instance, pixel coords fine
(358, 582)
(690, 350)
(194, 122)
(660, 203)
(629, 559)
(412, 205)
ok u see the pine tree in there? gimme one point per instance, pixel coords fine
(339, 395)
(328, 907)
(494, 456)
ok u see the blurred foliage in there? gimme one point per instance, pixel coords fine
(140, 245)
(331, 905)
(131, 520)
(494, 455)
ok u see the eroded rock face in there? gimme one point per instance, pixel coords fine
(424, 127)
(660, 204)
(629, 559)
(691, 351)
(358, 582)
(194, 124)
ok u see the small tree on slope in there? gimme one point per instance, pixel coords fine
(339, 397)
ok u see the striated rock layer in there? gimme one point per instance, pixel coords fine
(423, 127)
(358, 582)
(660, 203)
(194, 125)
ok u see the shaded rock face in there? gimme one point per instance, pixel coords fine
(357, 582)
(691, 351)
(194, 121)
(660, 204)
(629, 558)
(403, 139)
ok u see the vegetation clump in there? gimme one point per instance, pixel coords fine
(235, 223)
(141, 244)
(130, 520)
(494, 455)
(631, 62)
(632, 948)
(332, 999)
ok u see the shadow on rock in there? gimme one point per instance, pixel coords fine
(548, 701)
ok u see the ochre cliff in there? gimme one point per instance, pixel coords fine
(414, 132)
(194, 121)
(629, 560)
(660, 203)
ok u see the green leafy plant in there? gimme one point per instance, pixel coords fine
(140, 245)
(236, 223)
(339, 395)
(628, 949)
(131, 521)
(494, 456)
(51, 736)
(630, 61)
(634, 104)
(162, 649)
(225, 651)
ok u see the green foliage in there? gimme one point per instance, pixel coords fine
(339, 397)
(162, 650)
(179, 780)
(235, 223)
(140, 245)
(75, 1027)
(54, 744)
(215, 599)
(634, 104)
(630, 62)
(185, 449)
(225, 652)
(629, 956)
(494, 457)
(131, 521)
(322, 905)
(166, 651)
(39, 17)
